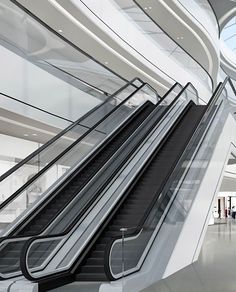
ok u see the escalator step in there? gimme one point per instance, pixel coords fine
(90, 277)
(92, 269)
(95, 262)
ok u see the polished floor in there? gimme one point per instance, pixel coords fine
(215, 271)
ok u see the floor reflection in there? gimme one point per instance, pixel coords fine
(215, 269)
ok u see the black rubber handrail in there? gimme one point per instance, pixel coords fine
(35, 107)
(40, 149)
(134, 231)
(34, 238)
(16, 193)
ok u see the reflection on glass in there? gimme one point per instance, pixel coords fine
(20, 112)
(46, 71)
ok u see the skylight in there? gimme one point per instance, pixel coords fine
(228, 35)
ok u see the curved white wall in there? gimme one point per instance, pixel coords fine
(108, 48)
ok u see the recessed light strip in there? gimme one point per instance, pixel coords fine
(80, 25)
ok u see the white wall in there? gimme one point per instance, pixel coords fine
(16, 147)
(138, 43)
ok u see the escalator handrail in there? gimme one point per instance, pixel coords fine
(16, 193)
(64, 131)
(136, 230)
(28, 243)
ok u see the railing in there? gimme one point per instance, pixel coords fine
(43, 158)
(144, 233)
(83, 121)
(21, 107)
(125, 254)
(32, 269)
(104, 129)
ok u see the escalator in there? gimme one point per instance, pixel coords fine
(56, 205)
(9, 259)
(39, 253)
(132, 210)
(138, 214)
(36, 258)
(132, 132)
(44, 158)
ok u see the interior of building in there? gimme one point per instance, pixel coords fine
(118, 145)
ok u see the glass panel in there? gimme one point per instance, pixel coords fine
(113, 102)
(26, 111)
(137, 82)
(41, 251)
(171, 95)
(11, 265)
(24, 173)
(67, 163)
(42, 65)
